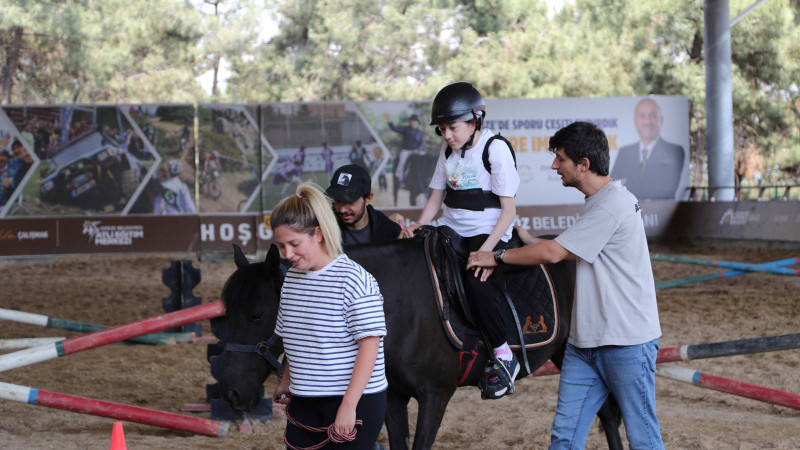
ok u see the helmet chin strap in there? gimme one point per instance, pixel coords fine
(468, 143)
(471, 136)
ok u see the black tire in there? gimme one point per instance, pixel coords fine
(214, 189)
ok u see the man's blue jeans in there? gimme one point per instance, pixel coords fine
(589, 375)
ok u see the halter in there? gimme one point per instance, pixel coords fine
(261, 348)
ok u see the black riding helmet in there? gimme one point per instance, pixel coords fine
(459, 100)
(455, 101)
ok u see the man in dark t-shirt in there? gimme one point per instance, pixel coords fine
(351, 191)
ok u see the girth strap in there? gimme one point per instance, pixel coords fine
(516, 322)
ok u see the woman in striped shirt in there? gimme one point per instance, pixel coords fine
(332, 324)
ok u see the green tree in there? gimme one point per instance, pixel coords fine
(664, 42)
(109, 51)
(765, 50)
(648, 47)
(349, 50)
(143, 51)
(518, 49)
(231, 31)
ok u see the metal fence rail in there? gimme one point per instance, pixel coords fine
(761, 192)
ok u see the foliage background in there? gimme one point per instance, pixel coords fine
(139, 51)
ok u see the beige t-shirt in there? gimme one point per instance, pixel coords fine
(615, 296)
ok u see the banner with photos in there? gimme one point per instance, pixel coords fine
(101, 160)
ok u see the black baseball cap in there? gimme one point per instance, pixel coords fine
(349, 183)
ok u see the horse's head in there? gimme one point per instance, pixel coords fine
(252, 296)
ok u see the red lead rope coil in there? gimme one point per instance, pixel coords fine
(332, 435)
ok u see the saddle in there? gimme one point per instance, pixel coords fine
(532, 307)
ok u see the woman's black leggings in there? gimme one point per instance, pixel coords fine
(320, 412)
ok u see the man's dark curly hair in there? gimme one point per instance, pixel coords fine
(583, 140)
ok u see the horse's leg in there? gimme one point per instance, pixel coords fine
(609, 415)
(432, 406)
(397, 420)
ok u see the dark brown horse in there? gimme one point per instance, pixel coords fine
(420, 362)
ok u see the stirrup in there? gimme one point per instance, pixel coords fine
(498, 379)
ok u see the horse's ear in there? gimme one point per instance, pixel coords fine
(239, 258)
(273, 259)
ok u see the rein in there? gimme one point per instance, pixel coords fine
(261, 348)
(332, 435)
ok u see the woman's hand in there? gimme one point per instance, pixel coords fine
(281, 395)
(345, 420)
(408, 232)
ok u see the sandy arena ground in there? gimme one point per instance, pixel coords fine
(113, 290)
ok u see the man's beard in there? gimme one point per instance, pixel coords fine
(356, 217)
(571, 182)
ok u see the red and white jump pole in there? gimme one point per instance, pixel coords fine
(110, 335)
(548, 368)
(710, 350)
(753, 391)
(729, 348)
(83, 327)
(113, 410)
(715, 382)
(28, 342)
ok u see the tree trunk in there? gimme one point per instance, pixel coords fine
(11, 66)
(214, 91)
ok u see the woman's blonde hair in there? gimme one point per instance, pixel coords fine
(306, 210)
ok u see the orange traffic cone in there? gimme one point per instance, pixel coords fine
(118, 437)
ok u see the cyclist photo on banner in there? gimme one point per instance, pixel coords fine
(175, 196)
(209, 183)
(231, 156)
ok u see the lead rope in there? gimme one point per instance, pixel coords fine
(332, 435)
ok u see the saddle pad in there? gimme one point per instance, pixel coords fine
(535, 301)
(532, 293)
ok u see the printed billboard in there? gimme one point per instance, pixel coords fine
(99, 160)
(632, 124)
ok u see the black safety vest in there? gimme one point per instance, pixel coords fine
(476, 199)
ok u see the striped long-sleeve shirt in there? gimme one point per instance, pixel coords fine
(322, 316)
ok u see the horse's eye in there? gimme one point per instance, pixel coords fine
(256, 317)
